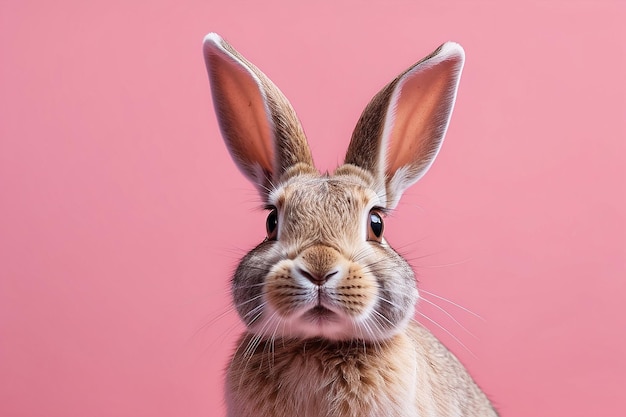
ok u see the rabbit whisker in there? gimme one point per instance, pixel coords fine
(456, 339)
(449, 315)
(229, 310)
(451, 302)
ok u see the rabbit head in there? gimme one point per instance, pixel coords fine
(325, 269)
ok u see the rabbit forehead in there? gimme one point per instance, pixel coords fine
(338, 192)
(331, 194)
(323, 208)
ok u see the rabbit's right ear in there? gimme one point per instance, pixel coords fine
(259, 126)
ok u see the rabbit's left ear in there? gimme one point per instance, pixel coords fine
(401, 130)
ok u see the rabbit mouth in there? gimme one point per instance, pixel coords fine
(320, 314)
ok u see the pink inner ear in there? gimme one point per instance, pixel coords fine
(242, 112)
(421, 114)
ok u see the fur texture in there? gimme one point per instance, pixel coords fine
(409, 375)
(327, 303)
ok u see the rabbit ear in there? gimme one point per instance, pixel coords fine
(259, 126)
(401, 130)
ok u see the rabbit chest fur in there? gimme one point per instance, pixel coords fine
(410, 375)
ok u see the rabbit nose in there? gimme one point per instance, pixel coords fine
(317, 279)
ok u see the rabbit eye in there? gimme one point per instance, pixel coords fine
(376, 226)
(271, 224)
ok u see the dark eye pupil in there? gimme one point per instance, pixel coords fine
(376, 223)
(272, 222)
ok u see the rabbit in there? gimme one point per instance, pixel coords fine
(327, 304)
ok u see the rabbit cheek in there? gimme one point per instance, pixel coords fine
(281, 291)
(356, 293)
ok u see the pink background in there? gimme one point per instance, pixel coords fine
(122, 216)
